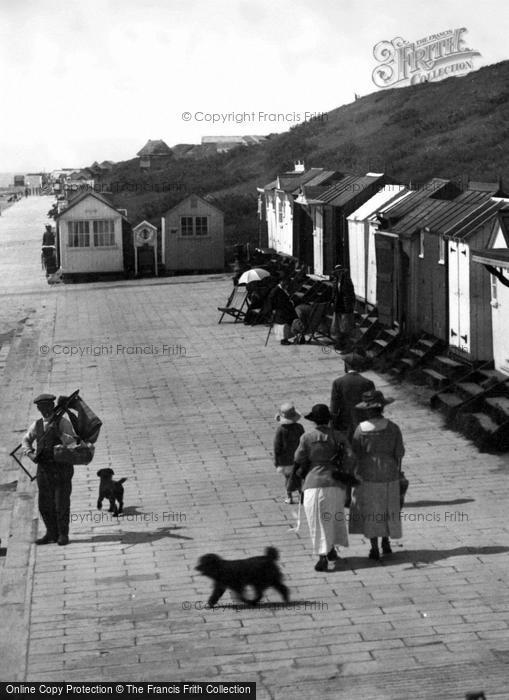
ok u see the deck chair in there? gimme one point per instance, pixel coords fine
(237, 304)
(317, 316)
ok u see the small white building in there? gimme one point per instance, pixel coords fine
(193, 236)
(34, 182)
(90, 235)
(362, 224)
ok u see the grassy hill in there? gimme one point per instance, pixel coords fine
(457, 128)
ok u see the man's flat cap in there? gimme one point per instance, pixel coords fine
(44, 397)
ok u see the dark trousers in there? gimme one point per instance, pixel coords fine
(55, 486)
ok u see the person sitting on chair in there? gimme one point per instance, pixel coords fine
(284, 311)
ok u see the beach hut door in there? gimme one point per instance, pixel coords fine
(385, 247)
(459, 296)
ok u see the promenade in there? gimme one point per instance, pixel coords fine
(188, 410)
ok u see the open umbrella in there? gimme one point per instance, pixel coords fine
(254, 275)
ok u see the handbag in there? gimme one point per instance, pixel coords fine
(403, 488)
(81, 453)
(295, 479)
(339, 473)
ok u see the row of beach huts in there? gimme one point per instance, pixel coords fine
(430, 267)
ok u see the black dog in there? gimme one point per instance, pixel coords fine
(259, 572)
(112, 490)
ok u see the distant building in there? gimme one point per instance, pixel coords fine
(34, 182)
(223, 144)
(153, 151)
(193, 236)
(93, 238)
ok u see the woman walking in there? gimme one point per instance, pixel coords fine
(324, 496)
(377, 445)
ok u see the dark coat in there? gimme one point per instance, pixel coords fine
(286, 441)
(343, 295)
(282, 305)
(346, 394)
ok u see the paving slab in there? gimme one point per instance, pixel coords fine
(188, 407)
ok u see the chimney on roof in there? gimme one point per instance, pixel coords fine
(299, 166)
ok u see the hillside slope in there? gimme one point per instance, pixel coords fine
(457, 128)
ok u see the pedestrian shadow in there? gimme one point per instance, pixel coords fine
(427, 504)
(134, 537)
(417, 558)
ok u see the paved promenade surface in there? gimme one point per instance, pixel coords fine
(189, 420)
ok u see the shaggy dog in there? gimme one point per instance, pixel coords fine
(259, 572)
(112, 490)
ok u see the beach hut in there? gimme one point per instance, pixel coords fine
(290, 227)
(361, 226)
(470, 292)
(93, 238)
(328, 208)
(193, 236)
(495, 259)
(397, 224)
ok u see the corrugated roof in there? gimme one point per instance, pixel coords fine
(463, 229)
(457, 218)
(376, 202)
(319, 178)
(291, 182)
(490, 187)
(418, 217)
(347, 188)
(403, 207)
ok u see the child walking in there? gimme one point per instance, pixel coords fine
(286, 441)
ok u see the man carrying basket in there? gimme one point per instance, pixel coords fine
(54, 479)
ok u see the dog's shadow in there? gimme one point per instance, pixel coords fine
(271, 605)
(417, 558)
(133, 537)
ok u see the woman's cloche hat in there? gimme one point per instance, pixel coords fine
(374, 399)
(287, 413)
(320, 414)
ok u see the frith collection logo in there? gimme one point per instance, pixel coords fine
(431, 58)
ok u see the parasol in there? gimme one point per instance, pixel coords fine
(254, 275)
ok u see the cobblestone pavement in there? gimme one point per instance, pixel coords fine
(188, 408)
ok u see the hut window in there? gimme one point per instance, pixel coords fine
(79, 234)
(104, 233)
(194, 203)
(421, 245)
(281, 213)
(494, 291)
(441, 253)
(186, 225)
(201, 226)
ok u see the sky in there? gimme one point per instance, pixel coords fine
(85, 81)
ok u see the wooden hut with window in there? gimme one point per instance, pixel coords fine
(94, 239)
(193, 236)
